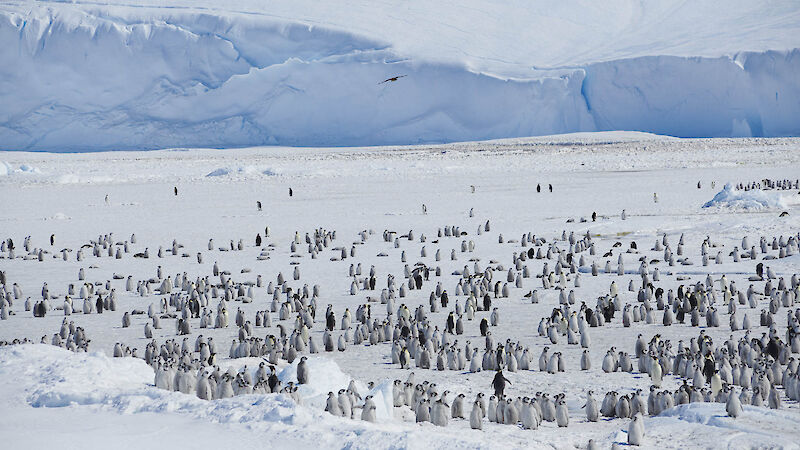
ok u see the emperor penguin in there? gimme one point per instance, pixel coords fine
(457, 409)
(592, 412)
(332, 405)
(716, 383)
(510, 415)
(476, 416)
(734, 405)
(656, 373)
(302, 371)
(586, 362)
(528, 415)
(636, 430)
(203, 388)
(345, 404)
(475, 362)
(439, 413)
(225, 388)
(562, 414)
(491, 409)
(423, 411)
(368, 412)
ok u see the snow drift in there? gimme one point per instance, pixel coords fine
(97, 77)
(94, 387)
(126, 386)
(729, 197)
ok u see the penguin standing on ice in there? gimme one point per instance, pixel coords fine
(709, 366)
(175, 189)
(656, 373)
(368, 412)
(592, 413)
(457, 409)
(302, 371)
(484, 326)
(476, 416)
(423, 411)
(330, 321)
(272, 380)
(734, 405)
(332, 405)
(499, 383)
(290, 192)
(439, 413)
(562, 414)
(636, 430)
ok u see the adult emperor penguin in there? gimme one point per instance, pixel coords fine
(636, 430)
(476, 416)
(302, 371)
(656, 373)
(499, 383)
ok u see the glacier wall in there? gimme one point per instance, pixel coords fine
(750, 94)
(71, 80)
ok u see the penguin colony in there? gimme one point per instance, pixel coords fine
(438, 313)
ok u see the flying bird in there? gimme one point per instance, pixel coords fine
(393, 79)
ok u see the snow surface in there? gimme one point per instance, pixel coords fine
(90, 400)
(145, 74)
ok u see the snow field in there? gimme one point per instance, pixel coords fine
(350, 190)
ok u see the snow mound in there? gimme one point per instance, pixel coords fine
(221, 172)
(709, 424)
(241, 171)
(729, 197)
(7, 169)
(272, 171)
(59, 216)
(324, 376)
